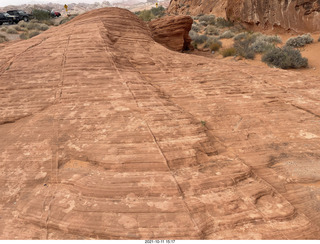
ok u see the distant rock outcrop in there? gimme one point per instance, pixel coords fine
(172, 32)
(195, 7)
(298, 15)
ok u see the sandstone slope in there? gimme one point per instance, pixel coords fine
(107, 134)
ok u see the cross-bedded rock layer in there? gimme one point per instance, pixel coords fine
(107, 134)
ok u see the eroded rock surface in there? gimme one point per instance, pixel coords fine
(107, 134)
(172, 32)
(195, 7)
(298, 15)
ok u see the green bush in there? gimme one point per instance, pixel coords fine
(3, 38)
(40, 14)
(231, 51)
(11, 31)
(227, 35)
(285, 58)
(23, 36)
(208, 19)
(211, 30)
(299, 41)
(222, 22)
(33, 33)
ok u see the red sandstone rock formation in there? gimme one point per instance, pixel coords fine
(195, 7)
(107, 134)
(298, 15)
(172, 32)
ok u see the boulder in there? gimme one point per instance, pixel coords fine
(172, 32)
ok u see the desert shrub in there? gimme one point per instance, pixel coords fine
(11, 31)
(243, 47)
(198, 16)
(240, 36)
(42, 27)
(146, 15)
(67, 19)
(18, 28)
(4, 29)
(33, 33)
(22, 24)
(215, 46)
(159, 12)
(3, 38)
(195, 27)
(203, 23)
(208, 19)
(197, 38)
(237, 28)
(200, 39)
(32, 26)
(299, 41)
(23, 36)
(231, 51)
(48, 22)
(192, 34)
(212, 40)
(285, 58)
(195, 45)
(222, 22)
(227, 35)
(270, 39)
(40, 14)
(261, 46)
(211, 30)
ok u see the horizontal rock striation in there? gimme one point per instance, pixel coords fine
(107, 134)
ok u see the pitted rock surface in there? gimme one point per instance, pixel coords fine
(107, 134)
